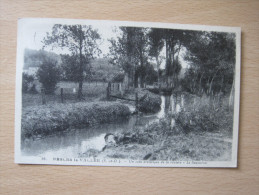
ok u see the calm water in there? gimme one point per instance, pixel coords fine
(75, 141)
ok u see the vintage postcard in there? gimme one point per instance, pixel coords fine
(113, 93)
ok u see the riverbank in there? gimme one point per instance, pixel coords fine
(157, 143)
(39, 121)
(201, 130)
(190, 147)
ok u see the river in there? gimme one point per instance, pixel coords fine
(76, 141)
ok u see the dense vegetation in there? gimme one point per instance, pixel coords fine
(39, 121)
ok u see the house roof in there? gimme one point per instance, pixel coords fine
(118, 78)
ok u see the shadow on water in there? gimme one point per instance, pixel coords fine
(75, 141)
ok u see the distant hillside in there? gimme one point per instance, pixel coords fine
(103, 63)
(103, 70)
(34, 58)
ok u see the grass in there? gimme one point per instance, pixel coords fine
(91, 92)
(192, 147)
(208, 114)
(202, 132)
(47, 119)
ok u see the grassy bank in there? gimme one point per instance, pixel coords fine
(193, 147)
(200, 131)
(44, 120)
(206, 114)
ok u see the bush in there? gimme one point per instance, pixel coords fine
(49, 75)
(28, 85)
(206, 114)
(150, 104)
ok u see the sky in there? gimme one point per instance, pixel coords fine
(34, 32)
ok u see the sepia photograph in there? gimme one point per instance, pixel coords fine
(114, 93)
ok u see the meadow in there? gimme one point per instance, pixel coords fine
(92, 91)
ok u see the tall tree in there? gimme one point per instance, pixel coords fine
(49, 74)
(71, 67)
(141, 45)
(173, 40)
(212, 59)
(80, 40)
(156, 45)
(122, 52)
(129, 51)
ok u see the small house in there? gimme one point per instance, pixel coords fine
(119, 83)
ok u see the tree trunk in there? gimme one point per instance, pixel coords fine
(166, 58)
(200, 87)
(173, 80)
(231, 95)
(135, 79)
(158, 77)
(210, 88)
(80, 87)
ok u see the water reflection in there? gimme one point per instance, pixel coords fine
(75, 141)
(171, 104)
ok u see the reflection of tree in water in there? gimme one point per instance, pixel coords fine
(167, 104)
(173, 104)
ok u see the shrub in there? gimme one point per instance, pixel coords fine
(206, 114)
(49, 75)
(27, 83)
(150, 104)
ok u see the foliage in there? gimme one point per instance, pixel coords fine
(174, 40)
(156, 43)
(148, 102)
(135, 46)
(129, 51)
(48, 75)
(212, 59)
(81, 41)
(34, 58)
(28, 85)
(102, 70)
(151, 75)
(155, 38)
(206, 114)
(71, 67)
